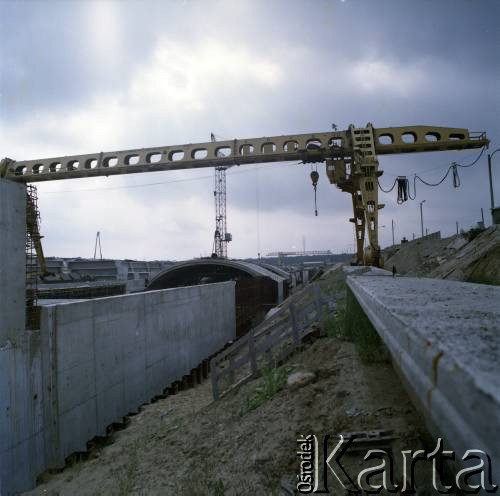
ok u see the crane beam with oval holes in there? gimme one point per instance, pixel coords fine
(350, 157)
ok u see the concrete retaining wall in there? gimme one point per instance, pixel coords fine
(21, 415)
(12, 259)
(95, 361)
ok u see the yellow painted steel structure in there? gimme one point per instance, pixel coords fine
(351, 158)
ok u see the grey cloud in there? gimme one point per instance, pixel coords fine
(47, 69)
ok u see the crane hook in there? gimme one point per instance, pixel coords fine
(314, 179)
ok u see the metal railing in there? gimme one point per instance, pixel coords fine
(270, 342)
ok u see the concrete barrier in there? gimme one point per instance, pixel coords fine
(95, 361)
(444, 338)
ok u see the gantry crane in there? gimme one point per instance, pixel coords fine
(351, 158)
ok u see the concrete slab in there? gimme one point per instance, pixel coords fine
(47, 302)
(444, 337)
(365, 270)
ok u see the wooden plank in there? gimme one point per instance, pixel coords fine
(304, 312)
(271, 342)
(235, 347)
(236, 385)
(252, 355)
(294, 323)
(214, 378)
(295, 327)
(319, 308)
(275, 325)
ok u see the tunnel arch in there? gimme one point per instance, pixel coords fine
(257, 288)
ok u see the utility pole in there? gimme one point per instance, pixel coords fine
(422, 217)
(457, 227)
(392, 223)
(492, 198)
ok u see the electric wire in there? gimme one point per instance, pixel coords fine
(404, 185)
(389, 190)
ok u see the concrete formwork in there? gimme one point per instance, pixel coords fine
(95, 361)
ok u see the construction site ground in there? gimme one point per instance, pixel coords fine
(187, 444)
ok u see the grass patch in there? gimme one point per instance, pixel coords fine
(273, 381)
(334, 284)
(360, 331)
(483, 279)
(473, 233)
(350, 323)
(199, 486)
(129, 471)
(217, 488)
(335, 324)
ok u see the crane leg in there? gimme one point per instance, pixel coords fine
(359, 225)
(370, 205)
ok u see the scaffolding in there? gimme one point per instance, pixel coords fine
(32, 265)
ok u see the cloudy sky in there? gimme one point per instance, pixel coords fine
(86, 76)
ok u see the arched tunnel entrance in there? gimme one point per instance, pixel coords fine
(257, 288)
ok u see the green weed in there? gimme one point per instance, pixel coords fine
(361, 332)
(129, 472)
(217, 488)
(273, 381)
(335, 325)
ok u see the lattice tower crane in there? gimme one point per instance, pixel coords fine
(221, 236)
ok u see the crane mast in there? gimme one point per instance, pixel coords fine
(221, 236)
(351, 158)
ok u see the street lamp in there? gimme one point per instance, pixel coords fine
(422, 218)
(490, 157)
